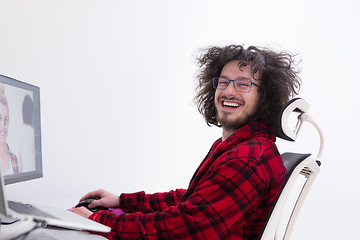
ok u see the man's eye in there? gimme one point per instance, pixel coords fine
(242, 84)
(223, 82)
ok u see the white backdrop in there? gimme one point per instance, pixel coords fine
(117, 81)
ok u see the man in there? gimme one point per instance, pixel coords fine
(234, 188)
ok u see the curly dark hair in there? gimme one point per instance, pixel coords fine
(278, 75)
(27, 110)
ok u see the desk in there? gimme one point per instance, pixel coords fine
(61, 234)
(53, 233)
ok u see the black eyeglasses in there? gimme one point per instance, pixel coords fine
(239, 85)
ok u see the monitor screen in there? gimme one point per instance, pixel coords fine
(20, 133)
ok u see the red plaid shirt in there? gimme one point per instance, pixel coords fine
(229, 196)
(14, 161)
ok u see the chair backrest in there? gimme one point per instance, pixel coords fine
(297, 164)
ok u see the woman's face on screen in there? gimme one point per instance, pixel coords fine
(4, 122)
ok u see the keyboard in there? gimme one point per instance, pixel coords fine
(28, 209)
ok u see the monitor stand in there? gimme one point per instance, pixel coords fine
(16, 228)
(7, 220)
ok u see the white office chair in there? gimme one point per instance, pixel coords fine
(297, 165)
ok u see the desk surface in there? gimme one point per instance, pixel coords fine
(52, 233)
(60, 234)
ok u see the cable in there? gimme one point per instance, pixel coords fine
(39, 224)
(21, 229)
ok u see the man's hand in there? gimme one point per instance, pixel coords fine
(104, 199)
(82, 211)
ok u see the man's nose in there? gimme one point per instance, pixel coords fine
(230, 89)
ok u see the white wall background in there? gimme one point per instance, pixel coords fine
(148, 135)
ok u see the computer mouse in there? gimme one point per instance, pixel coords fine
(85, 203)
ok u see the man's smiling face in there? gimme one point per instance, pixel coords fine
(235, 109)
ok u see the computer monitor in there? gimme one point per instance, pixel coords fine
(20, 133)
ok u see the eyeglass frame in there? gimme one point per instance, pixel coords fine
(229, 80)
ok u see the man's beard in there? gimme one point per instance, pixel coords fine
(234, 124)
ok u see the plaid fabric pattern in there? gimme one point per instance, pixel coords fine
(229, 196)
(14, 161)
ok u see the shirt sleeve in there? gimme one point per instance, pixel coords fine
(148, 203)
(225, 200)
